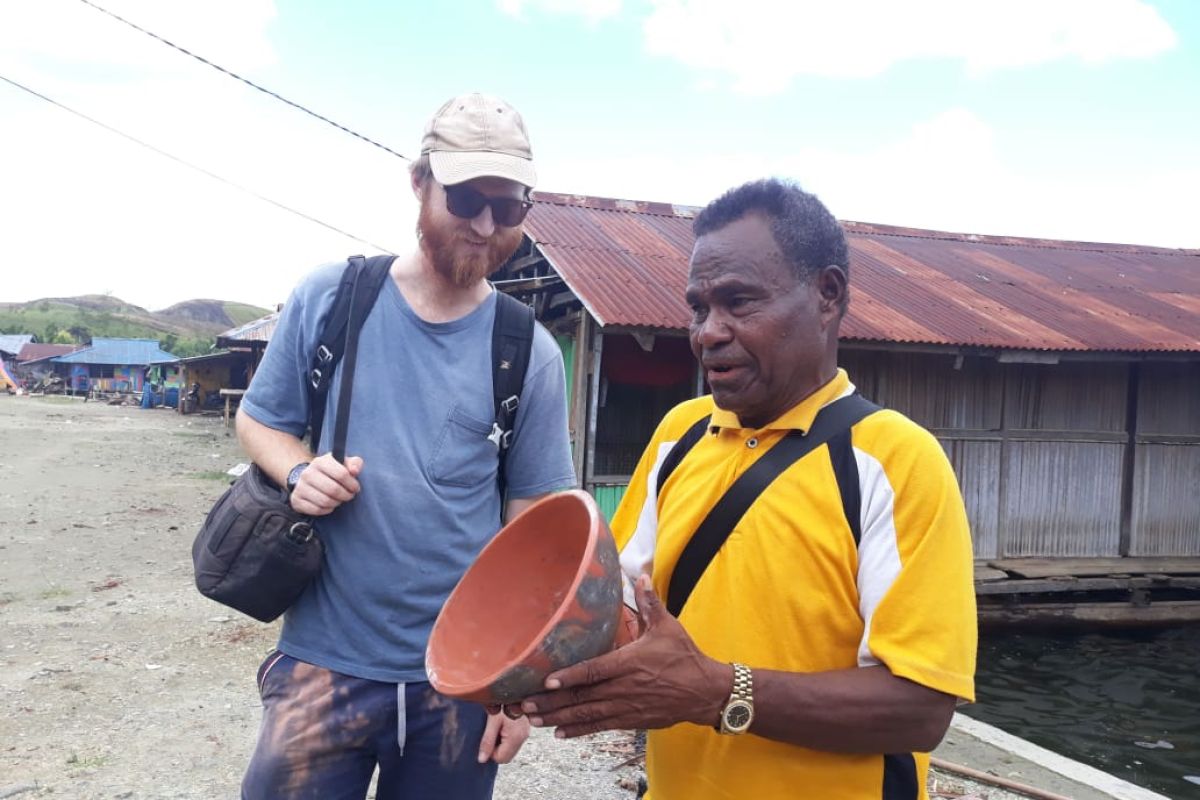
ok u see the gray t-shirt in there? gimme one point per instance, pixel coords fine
(421, 413)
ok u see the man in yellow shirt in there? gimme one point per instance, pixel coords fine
(823, 648)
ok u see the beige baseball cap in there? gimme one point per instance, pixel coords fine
(477, 135)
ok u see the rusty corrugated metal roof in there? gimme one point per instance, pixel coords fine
(36, 351)
(258, 330)
(627, 262)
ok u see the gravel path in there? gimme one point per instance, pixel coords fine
(117, 679)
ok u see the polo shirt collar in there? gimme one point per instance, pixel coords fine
(798, 417)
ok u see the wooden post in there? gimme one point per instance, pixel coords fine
(1129, 465)
(579, 392)
(180, 399)
(593, 401)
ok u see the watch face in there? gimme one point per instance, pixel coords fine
(738, 715)
(294, 476)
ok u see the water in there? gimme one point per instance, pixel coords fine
(1127, 703)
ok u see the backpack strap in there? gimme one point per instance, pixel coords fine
(360, 285)
(837, 417)
(512, 341)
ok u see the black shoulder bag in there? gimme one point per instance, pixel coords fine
(832, 425)
(255, 553)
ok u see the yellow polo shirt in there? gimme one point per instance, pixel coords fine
(789, 590)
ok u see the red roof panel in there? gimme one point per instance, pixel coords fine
(627, 262)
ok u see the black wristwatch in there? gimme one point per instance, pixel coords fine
(294, 476)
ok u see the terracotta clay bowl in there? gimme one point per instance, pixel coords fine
(544, 594)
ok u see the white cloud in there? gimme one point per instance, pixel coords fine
(591, 10)
(764, 44)
(945, 174)
(86, 211)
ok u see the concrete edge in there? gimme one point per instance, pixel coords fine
(1073, 770)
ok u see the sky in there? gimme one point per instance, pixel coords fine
(1065, 119)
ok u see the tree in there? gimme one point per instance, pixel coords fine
(63, 337)
(80, 333)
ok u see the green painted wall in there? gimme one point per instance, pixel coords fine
(608, 498)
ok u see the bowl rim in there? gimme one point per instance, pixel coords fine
(467, 689)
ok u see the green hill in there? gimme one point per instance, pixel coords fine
(187, 328)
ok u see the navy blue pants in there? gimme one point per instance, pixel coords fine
(323, 734)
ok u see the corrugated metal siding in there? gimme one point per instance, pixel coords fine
(936, 395)
(1169, 399)
(1047, 479)
(977, 465)
(1067, 397)
(1166, 500)
(1166, 507)
(628, 264)
(1062, 499)
(608, 497)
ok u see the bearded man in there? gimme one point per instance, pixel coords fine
(402, 517)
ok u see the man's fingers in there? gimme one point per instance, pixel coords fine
(513, 734)
(589, 717)
(650, 608)
(491, 732)
(585, 673)
(541, 705)
(337, 484)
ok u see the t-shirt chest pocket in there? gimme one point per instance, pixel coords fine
(463, 455)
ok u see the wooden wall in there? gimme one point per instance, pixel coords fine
(1166, 473)
(1042, 451)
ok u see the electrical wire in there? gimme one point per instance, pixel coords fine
(246, 81)
(188, 164)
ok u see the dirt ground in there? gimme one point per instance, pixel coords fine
(117, 679)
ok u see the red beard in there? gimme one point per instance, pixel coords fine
(454, 259)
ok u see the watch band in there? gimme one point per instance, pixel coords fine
(743, 683)
(293, 476)
(738, 712)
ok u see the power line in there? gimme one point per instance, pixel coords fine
(246, 81)
(190, 165)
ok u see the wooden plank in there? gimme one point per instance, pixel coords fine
(985, 573)
(1073, 615)
(1084, 567)
(1071, 584)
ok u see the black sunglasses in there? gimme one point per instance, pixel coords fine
(463, 201)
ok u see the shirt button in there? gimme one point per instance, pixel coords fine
(752, 443)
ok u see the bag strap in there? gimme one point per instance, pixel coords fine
(845, 470)
(679, 450)
(512, 341)
(835, 418)
(360, 285)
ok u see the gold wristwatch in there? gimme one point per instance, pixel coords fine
(739, 708)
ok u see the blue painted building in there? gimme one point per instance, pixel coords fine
(113, 365)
